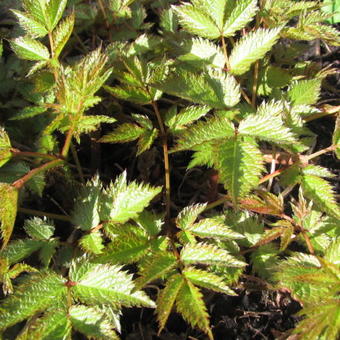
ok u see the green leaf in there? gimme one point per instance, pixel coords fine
(321, 193)
(8, 211)
(8, 274)
(62, 34)
(5, 147)
(34, 28)
(37, 9)
(55, 10)
(36, 294)
(92, 322)
(20, 249)
(264, 260)
(203, 131)
(145, 140)
(92, 243)
(251, 48)
(336, 137)
(240, 165)
(28, 112)
(105, 284)
(200, 52)
(167, 297)
(19, 268)
(91, 123)
(39, 229)
(266, 127)
(204, 154)
(207, 280)
(188, 216)
(248, 226)
(214, 88)
(124, 201)
(196, 21)
(86, 210)
(321, 321)
(126, 132)
(242, 13)
(208, 254)
(29, 49)
(47, 251)
(213, 228)
(333, 252)
(305, 92)
(332, 7)
(52, 325)
(317, 170)
(150, 222)
(128, 246)
(190, 305)
(154, 268)
(185, 117)
(130, 93)
(272, 78)
(306, 278)
(168, 20)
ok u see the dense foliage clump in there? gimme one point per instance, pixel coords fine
(215, 84)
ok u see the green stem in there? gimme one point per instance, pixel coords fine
(43, 213)
(18, 153)
(78, 165)
(255, 77)
(319, 153)
(166, 161)
(226, 198)
(55, 72)
(67, 143)
(224, 47)
(23, 180)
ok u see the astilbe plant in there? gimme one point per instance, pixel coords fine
(238, 100)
